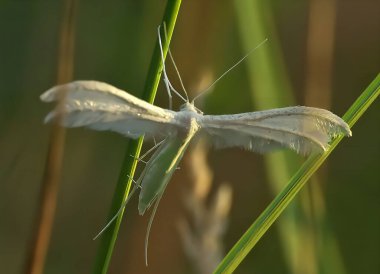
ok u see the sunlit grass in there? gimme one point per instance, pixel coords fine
(270, 88)
(287, 195)
(129, 165)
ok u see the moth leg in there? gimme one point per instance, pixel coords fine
(175, 66)
(150, 150)
(154, 141)
(168, 85)
(158, 199)
(140, 159)
(118, 212)
(137, 184)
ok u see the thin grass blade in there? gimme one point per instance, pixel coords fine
(282, 200)
(129, 165)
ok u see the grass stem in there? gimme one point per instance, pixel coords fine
(108, 239)
(254, 233)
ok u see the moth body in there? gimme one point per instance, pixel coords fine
(164, 162)
(100, 106)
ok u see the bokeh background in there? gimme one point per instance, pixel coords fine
(319, 53)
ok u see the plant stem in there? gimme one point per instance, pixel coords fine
(282, 200)
(134, 146)
(47, 201)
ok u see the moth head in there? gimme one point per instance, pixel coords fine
(190, 107)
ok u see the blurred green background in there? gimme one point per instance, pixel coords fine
(113, 43)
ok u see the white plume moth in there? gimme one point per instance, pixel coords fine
(100, 106)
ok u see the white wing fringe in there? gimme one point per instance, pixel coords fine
(303, 129)
(101, 106)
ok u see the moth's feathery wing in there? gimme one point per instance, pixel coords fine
(100, 106)
(302, 129)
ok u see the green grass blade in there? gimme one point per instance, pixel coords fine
(108, 239)
(270, 88)
(282, 200)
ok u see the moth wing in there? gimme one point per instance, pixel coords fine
(303, 129)
(100, 106)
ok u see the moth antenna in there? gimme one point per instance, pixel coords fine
(168, 85)
(117, 213)
(175, 66)
(150, 225)
(228, 70)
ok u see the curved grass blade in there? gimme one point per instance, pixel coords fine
(270, 88)
(134, 146)
(282, 200)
